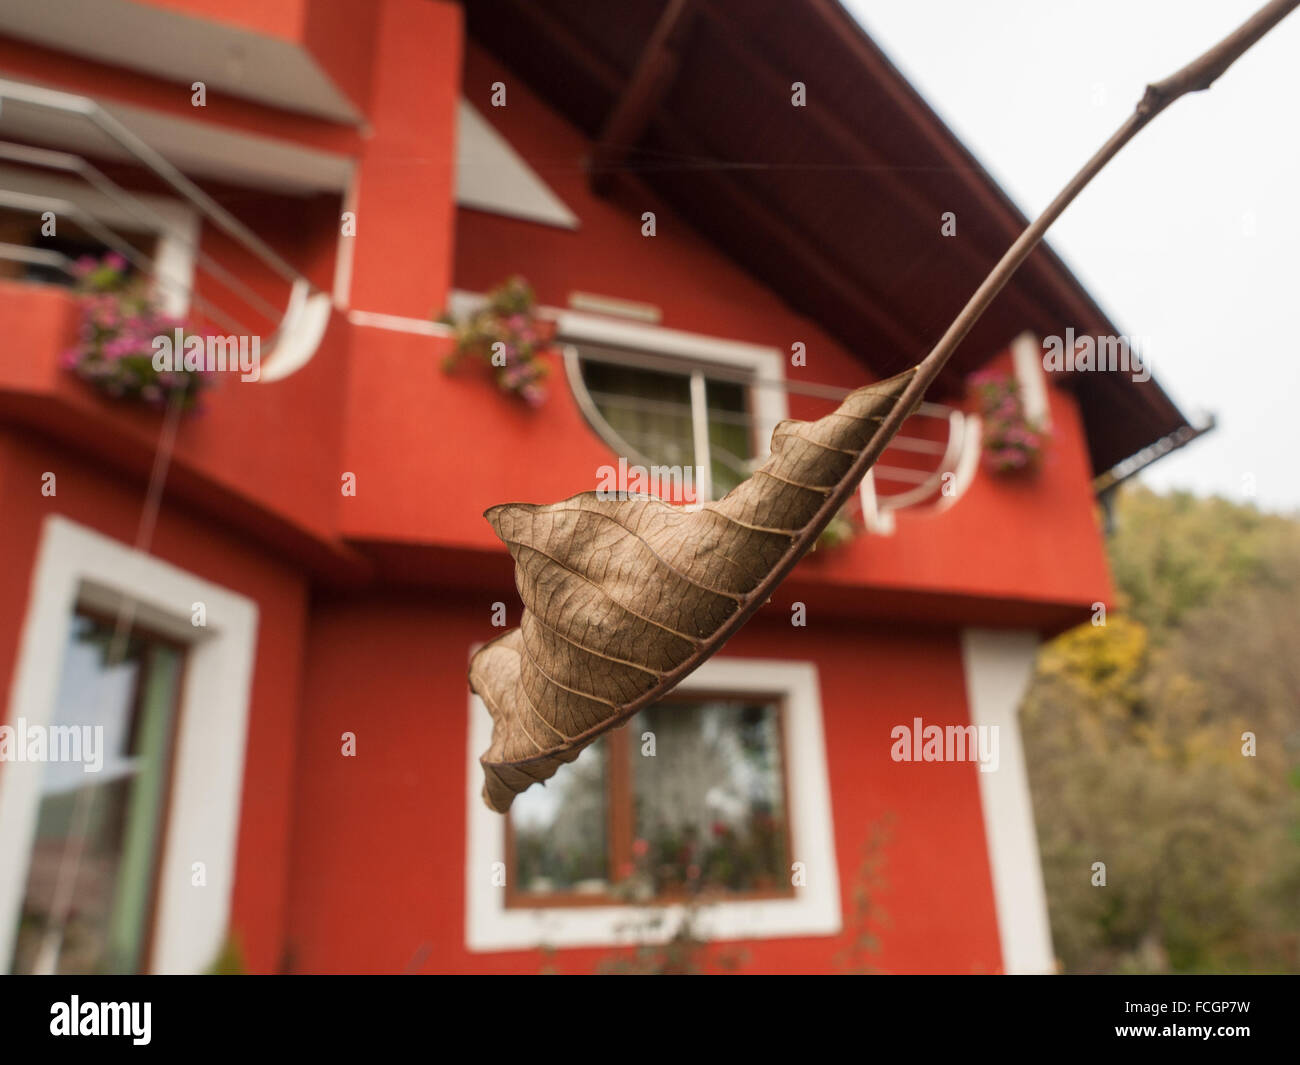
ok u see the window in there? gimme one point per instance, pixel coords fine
(673, 415)
(668, 398)
(90, 882)
(82, 572)
(739, 773)
(703, 810)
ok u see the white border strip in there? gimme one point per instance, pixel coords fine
(1027, 361)
(396, 323)
(998, 664)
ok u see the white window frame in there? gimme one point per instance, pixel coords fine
(814, 909)
(77, 566)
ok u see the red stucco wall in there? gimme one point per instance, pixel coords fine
(379, 843)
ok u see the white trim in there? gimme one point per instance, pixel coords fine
(492, 176)
(632, 310)
(300, 332)
(396, 323)
(968, 461)
(877, 519)
(813, 911)
(176, 225)
(345, 246)
(1027, 360)
(75, 565)
(998, 665)
(700, 446)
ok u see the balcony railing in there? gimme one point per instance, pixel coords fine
(928, 465)
(75, 189)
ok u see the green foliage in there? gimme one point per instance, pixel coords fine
(662, 944)
(1134, 737)
(507, 335)
(1171, 554)
(866, 917)
(685, 952)
(839, 530)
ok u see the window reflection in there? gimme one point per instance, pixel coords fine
(710, 806)
(559, 830)
(705, 812)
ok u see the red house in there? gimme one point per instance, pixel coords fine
(235, 642)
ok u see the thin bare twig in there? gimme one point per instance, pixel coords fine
(1196, 76)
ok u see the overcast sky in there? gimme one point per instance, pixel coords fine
(1190, 238)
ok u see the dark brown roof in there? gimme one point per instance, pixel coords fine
(835, 205)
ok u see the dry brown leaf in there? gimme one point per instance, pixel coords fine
(624, 598)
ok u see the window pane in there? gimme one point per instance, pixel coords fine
(709, 807)
(649, 409)
(122, 711)
(730, 435)
(651, 412)
(560, 830)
